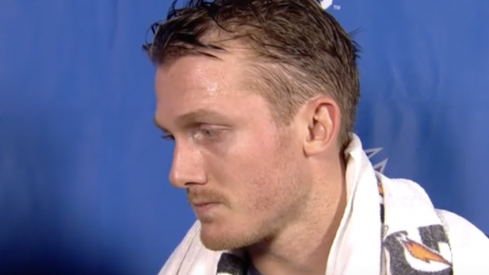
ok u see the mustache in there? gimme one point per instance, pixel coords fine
(196, 195)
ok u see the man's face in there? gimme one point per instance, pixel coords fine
(242, 173)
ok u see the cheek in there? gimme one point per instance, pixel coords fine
(256, 183)
(239, 158)
(244, 167)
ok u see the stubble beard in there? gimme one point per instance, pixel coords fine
(260, 232)
(277, 213)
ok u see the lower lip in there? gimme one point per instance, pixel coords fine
(202, 209)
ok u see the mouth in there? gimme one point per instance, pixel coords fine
(203, 208)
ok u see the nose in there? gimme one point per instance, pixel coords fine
(187, 167)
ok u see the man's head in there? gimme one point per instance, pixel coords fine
(260, 98)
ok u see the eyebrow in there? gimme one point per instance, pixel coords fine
(193, 117)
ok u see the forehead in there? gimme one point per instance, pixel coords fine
(196, 79)
(190, 73)
(199, 82)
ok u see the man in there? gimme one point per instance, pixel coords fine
(259, 97)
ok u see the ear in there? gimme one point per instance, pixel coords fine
(323, 125)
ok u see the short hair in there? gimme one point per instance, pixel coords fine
(301, 50)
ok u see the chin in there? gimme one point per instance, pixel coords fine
(221, 239)
(213, 237)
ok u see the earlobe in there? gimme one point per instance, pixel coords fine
(322, 127)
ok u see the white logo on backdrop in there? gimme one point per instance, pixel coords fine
(379, 166)
(326, 3)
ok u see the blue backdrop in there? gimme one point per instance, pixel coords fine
(83, 172)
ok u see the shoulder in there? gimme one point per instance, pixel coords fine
(470, 246)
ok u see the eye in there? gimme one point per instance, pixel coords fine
(209, 133)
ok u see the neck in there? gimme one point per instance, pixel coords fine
(302, 247)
